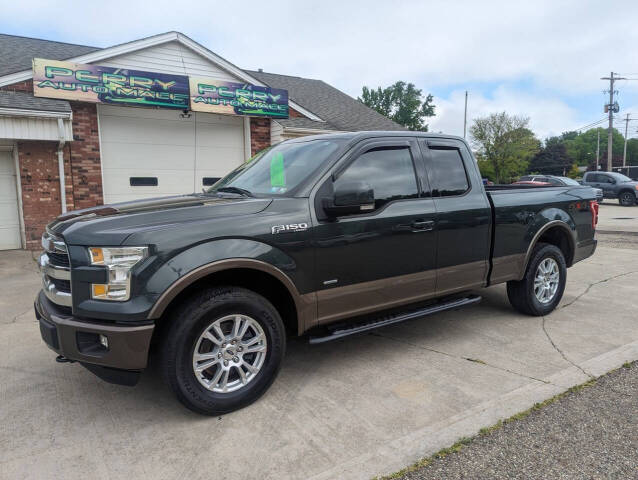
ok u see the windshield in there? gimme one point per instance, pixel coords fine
(277, 170)
(620, 177)
(568, 181)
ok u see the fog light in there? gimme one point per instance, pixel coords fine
(104, 341)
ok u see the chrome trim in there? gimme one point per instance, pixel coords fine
(53, 271)
(53, 294)
(53, 243)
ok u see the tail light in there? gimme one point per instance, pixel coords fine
(593, 208)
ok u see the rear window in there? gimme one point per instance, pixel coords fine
(447, 172)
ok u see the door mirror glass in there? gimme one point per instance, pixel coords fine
(350, 198)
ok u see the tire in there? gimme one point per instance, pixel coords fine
(627, 198)
(522, 294)
(192, 327)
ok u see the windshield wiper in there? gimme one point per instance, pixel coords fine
(240, 191)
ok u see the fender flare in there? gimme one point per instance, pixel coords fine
(552, 224)
(304, 304)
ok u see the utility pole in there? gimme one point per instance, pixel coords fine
(598, 149)
(611, 108)
(624, 153)
(465, 116)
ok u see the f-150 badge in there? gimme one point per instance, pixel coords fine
(291, 227)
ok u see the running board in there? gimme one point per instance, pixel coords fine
(396, 318)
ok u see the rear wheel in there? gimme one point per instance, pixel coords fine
(543, 284)
(223, 350)
(627, 198)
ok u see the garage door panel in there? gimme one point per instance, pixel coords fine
(158, 143)
(129, 130)
(151, 156)
(9, 216)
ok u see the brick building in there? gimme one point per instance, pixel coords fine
(97, 152)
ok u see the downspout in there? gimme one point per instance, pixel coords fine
(61, 163)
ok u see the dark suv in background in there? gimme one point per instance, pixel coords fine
(614, 185)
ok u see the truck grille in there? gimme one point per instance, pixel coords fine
(56, 270)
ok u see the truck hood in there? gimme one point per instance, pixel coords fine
(112, 224)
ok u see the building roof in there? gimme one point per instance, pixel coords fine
(26, 101)
(18, 52)
(338, 110)
(341, 111)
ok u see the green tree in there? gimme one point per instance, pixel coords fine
(504, 144)
(581, 147)
(552, 159)
(401, 102)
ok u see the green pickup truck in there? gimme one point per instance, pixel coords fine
(322, 236)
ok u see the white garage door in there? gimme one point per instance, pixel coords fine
(148, 153)
(9, 218)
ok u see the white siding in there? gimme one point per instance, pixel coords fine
(276, 132)
(171, 57)
(32, 128)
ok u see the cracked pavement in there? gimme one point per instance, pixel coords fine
(354, 408)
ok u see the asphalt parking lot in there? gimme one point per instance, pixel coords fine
(353, 408)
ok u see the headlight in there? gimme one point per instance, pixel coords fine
(119, 261)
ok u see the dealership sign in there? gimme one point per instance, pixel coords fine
(99, 84)
(94, 83)
(215, 96)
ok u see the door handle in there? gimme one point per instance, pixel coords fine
(423, 225)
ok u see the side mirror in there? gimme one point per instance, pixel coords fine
(349, 198)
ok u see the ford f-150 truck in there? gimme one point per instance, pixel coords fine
(324, 236)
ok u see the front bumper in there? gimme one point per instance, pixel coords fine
(78, 339)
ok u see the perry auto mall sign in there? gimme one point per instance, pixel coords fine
(99, 84)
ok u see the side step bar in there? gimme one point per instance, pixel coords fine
(396, 318)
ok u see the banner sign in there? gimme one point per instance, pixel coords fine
(94, 83)
(217, 96)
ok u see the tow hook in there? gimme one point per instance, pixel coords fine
(63, 359)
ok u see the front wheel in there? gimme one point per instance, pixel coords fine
(223, 350)
(543, 284)
(627, 199)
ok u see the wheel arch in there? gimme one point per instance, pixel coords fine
(261, 277)
(557, 233)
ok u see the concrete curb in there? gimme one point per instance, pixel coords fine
(408, 449)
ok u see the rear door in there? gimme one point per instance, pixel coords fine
(385, 257)
(463, 215)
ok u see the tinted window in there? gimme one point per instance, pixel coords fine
(553, 181)
(389, 172)
(569, 181)
(447, 172)
(604, 179)
(592, 177)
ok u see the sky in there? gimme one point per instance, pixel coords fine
(540, 59)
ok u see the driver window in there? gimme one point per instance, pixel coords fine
(389, 171)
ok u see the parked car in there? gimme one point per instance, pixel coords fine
(560, 181)
(614, 185)
(532, 182)
(327, 236)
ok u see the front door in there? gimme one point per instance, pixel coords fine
(384, 257)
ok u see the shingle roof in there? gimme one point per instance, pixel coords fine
(16, 52)
(296, 122)
(27, 101)
(335, 107)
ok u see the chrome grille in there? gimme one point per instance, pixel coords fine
(55, 269)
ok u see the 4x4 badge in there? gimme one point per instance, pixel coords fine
(291, 227)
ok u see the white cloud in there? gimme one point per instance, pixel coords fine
(555, 50)
(548, 116)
